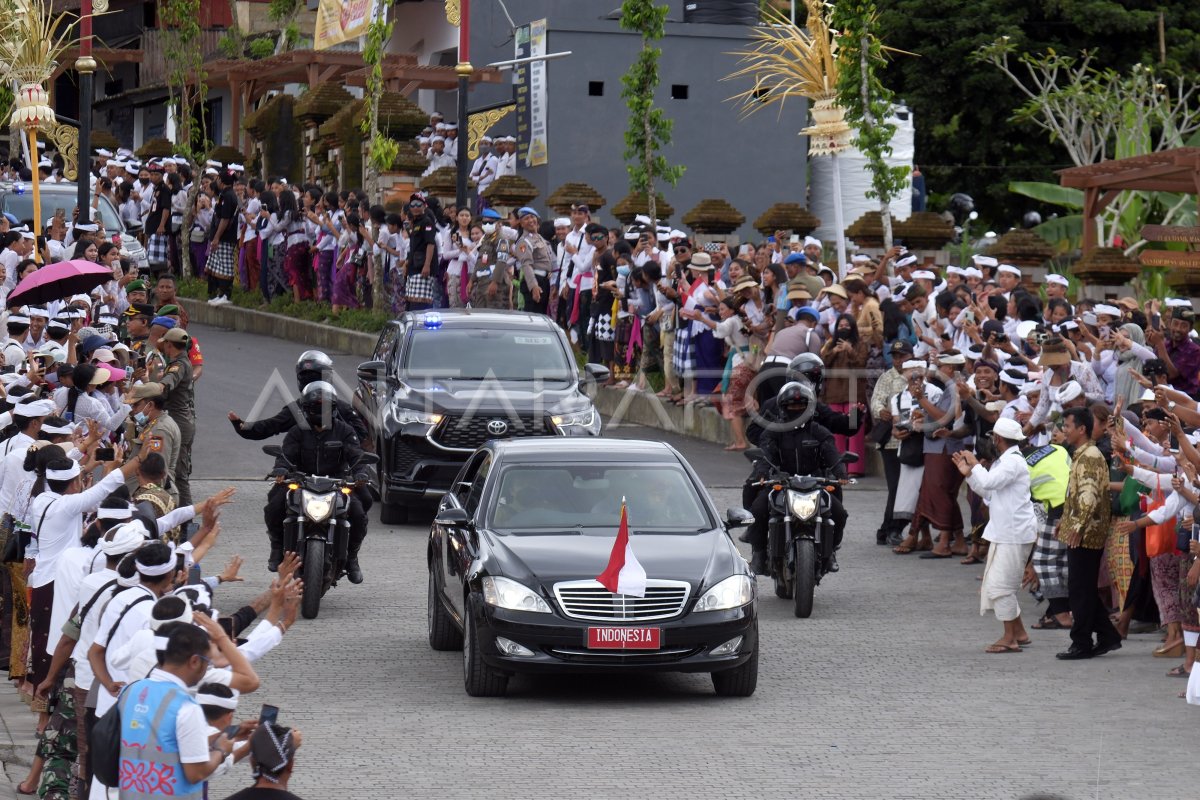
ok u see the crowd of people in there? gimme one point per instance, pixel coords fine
(104, 598)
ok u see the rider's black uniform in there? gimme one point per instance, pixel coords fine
(807, 448)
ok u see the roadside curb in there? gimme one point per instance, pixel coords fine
(640, 408)
(264, 323)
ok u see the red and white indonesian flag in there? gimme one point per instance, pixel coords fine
(624, 574)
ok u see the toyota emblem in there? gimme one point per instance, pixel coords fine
(497, 427)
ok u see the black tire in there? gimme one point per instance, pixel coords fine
(314, 578)
(393, 514)
(479, 679)
(443, 634)
(806, 577)
(739, 681)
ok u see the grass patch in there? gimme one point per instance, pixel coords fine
(365, 320)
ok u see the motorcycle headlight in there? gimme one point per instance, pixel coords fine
(411, 416)
(585, 420)
(802, 505)
(317, 507)
(506, 593)
(733, 592)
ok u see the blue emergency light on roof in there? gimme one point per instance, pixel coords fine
(432, 320)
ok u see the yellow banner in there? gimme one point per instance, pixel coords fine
(341, 20)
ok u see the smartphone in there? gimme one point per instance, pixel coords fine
(268, 715)
(105, 453)
(7, 370)
(969, 316)
(231, 731)
(744, 250)
(795, 238)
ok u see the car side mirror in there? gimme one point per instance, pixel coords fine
(738, 518)
(849, 458)
(370, 371)
(368, 458)
(598, 372)
(451, 517)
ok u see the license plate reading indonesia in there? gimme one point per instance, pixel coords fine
(624, 638)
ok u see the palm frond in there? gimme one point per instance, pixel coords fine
(787, 61)
(33, 38)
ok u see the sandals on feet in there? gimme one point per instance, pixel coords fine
(1000, 647)
(1178, 672)
(909, 545)
(1049, 623)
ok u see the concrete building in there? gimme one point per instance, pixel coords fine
(752, 163)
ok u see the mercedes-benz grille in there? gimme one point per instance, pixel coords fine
(589, 600)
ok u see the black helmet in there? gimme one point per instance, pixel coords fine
(313, 365)
(317, 401)
(796, 393)
(807, 367)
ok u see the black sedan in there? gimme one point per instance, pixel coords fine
(528, 525)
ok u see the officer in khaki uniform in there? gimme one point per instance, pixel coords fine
(491, 285)
(535, 260)
(181, 405)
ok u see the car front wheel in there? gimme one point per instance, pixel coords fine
(480, 679)
(739, 681)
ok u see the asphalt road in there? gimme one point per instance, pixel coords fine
(884, 693)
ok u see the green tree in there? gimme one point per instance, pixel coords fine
(186, 91)
(966, 139)
(868, 103)
(649, 128)
(381, 150)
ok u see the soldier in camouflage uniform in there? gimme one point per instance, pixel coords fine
(490, 282)
(57, 744)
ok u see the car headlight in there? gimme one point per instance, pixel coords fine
(411, 416)
(733, 592)
(505, 593)
(316, 506)
(578, 419)
(802, 505)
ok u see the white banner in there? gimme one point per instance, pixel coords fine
(537, 152)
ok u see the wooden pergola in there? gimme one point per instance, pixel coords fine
(1176, 170)
(249, 81)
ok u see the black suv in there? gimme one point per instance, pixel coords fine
(441, 383)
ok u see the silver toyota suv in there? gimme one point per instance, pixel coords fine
(63, 195)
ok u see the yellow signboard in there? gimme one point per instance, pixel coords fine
(341, 20)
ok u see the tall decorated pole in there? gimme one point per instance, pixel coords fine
(464, 70)
(31, 42)
(85, 65)
(786, 61)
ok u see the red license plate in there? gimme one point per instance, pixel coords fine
(624, 638)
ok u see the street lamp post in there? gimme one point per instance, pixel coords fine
(85, 65)
(464, 71)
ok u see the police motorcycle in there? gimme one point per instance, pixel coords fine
(317, 527)
(798, 527)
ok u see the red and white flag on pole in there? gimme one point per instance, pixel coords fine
(624, 574)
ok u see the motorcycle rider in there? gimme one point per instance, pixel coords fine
(325, 445)
(805, 368)
(313, 365)
(798, 445)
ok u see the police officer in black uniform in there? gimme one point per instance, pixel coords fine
(324, 446)
(798, 445)
(313, 365)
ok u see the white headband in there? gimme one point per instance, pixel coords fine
(63, 474)
(906, 261)
(111, 513)
(154, 570)
(1010, 380)
(914, 365)
(229, 703)
(57, 430)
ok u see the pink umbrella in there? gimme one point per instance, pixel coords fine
(59, 281)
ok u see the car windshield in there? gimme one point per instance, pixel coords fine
(21, 206)
(659, 497)
(487, 353)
